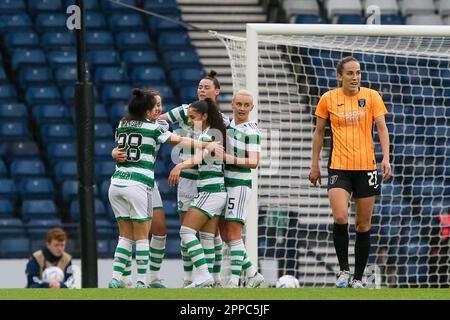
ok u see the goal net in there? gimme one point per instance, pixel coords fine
(288, 67)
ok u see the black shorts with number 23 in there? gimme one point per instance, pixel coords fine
(362, 183)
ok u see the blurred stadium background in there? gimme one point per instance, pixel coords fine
(127, 49)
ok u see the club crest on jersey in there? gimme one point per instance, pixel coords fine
(361, 103)
(333, 179)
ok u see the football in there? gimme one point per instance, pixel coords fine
(287, 281)
(53, 274)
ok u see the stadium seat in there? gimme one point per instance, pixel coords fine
(103, 131)
(13, 130)
(161, 6)
(166, 191)
(294, 7)
(103, 149)
(38, 209)
(140, 57)
(158, 25)
(7, 93)
(42, 95)
(110, 74)
(166, 93)
(118, 111)
(187, 77)
(172, 248)
(113, 93)
(58, 151)
(104, 189)
(349, 19)
(101, 115)
(308, 19)
(15, 247)
(38, 229)
(104, 170)
(29, 76)
(181, 59)
(3, 169)
(22, 150)
(348, 7)
(50, 22)
(99, 40)
(417, 7)
(12, 6)
(57, 132)
(67, 57)
(57, 40)
(133, 40)
(173, 40)
(424, 19)
(27, 168)
(69, 190)
(88, 4)
(6, 208)
(51, 113)
(161, 169)
(15, 22)
(66, 75)
(100, 211)
(125, 22)
(96, 21)
(188, 94)
(13, 110)
(13, 40)
(387, 7)
(23, 57)
(36, 188)
(37, 6)
(103, 57)
(109, 7)
(65, 170)
(148, 75)
(170, 207)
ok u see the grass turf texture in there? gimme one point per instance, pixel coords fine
(225, 294)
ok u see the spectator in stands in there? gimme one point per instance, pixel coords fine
(51, 255)
(440, 251)
(352, 167)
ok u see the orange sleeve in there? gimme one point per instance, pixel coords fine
(322, 107)
(379, 108)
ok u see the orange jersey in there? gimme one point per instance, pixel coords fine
(351, 120)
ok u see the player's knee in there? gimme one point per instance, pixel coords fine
(363, 227)
(340, 218)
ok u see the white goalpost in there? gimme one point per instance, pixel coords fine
(287, 67)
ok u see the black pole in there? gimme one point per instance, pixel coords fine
(84, 115)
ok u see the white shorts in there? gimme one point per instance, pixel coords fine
(186, 192)
(210, 203)
(238, 199)
(156, 198)
(131, 202)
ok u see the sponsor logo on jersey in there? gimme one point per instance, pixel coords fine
(361, 103)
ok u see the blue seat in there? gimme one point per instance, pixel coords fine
(104, 189)
(15, 22)
(182, 59)
(110, 7)
(161, 169)
(66, 75)
(88, 4)
(67, 57)
(10, 227)
(6, 208)
(99, 39)
(140, 57)
(38, 209)
(158, 25)
(309, 19)
(13, 130)
(3, 169)
(101, 115)
(100, 211)
(118, 111)
(187, 77)
(389, 19)
(170, 208)
(104, 169)
(27, 168)
(38, 229)
(3, 78)
(95, 21)
(103, 57)
(166, 191)
(53, 40)
(24, 56)
(65, 170)
(43, 95)
(165, 152)
(13, 110)
(173, 40)
(8, 93)
(69, 190)
(188, 93)
(29, 76)
(161, 6)
(104, 130)
(50, 22)
(350, 19)
(12, 6)
(37, 6)
(15, 247)
(22, 150)
(36, 188)
(20, 39)
(103, 149)
(148, 75)
(173, 248)
(113, 93)
(110, 74)
(126, 22)
(58, 132)
(58, 151)
(166, 93)
(133, 40)
(51, 113)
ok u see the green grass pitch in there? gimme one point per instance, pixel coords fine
(225, 294)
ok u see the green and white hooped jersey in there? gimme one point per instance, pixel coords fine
(242, 139)
(210, 174)
(140, 139)
(180, 115)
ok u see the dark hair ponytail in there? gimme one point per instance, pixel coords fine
(141, 102)
(215, 118)
(212, 76)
